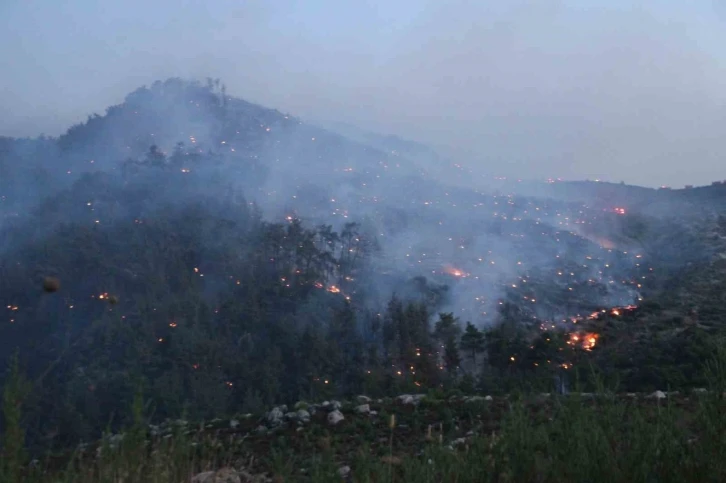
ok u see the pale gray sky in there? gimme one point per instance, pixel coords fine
(615, 90)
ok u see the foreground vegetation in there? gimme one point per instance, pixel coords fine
(433, 438)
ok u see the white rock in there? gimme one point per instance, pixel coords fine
(233, 423)
(334, 417)
(303, 415)
(406, 399)
(657, 395)
(363, 409)
(410, 398)
(205, 477)
(363, 399)
(275, 416)
(225, 475)
(344, 471)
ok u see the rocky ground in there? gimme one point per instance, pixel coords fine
(292, 440)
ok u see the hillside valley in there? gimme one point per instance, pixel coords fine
(211, 257)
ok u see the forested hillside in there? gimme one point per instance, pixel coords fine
(224, 257)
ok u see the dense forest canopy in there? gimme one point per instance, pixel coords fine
(225, 257)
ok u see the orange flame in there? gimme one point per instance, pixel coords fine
(587, 340)
(453, 271)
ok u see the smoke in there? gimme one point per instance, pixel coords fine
(471, 250)
(544, 89)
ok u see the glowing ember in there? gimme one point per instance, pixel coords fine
(615, 311)
(587, 340)
(333, 289)
(455, 272)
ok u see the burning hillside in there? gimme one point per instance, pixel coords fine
(228, 252)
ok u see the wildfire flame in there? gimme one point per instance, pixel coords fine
(455, 272)
(616, 311)
(585, 340)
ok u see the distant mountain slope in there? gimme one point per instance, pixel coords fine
(395, 186)
(664, 202)
(234, 256)
(479, 240)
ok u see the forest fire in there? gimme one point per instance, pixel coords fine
(617, 311)
(455, 272)
(588, 340)
(614, 311)
(585, 340)
(333, 289)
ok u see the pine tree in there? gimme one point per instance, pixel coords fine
(472, 340)
(452, 359)
(446, 332)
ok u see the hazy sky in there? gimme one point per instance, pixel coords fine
(617, 90)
